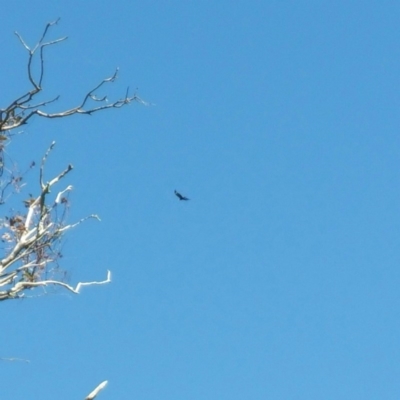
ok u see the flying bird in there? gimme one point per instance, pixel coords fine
(180, 197)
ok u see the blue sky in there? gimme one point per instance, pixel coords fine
(280, 278)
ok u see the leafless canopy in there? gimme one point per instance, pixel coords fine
(32, 241)
(31, 237)
(31, 233)
(24, 107)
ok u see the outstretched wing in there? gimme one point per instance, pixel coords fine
(180, 196)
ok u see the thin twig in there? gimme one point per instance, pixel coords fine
(44, 159)
(20, 111)
(14, 359)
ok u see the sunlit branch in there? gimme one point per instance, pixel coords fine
(96, 391)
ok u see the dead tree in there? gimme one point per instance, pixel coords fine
(31, 235)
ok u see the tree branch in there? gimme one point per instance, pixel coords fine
(96, 391)
(34, 237)
(20, 286)
(20, 111)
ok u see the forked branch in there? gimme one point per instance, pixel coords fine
(33, 238)
(24, 107)
(20, 286)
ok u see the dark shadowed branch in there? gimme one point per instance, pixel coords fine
(24, 107)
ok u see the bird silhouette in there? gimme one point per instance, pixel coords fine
(180, 197)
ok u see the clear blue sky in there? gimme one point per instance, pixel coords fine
(280, 279)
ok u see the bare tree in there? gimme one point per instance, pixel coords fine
(23, 108)
(32, 234)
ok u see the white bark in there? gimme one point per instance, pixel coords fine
(33, 238)
(96, 391)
